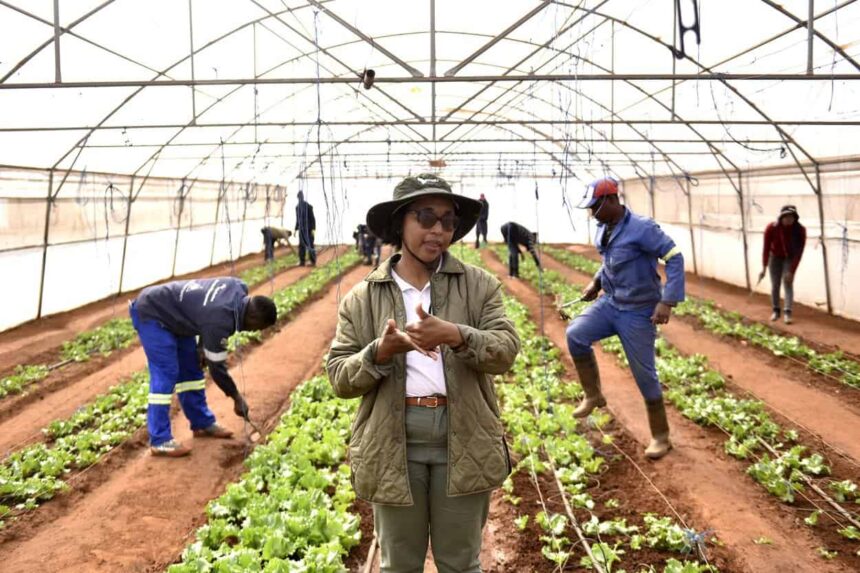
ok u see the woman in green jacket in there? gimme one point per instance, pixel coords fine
(419, 340)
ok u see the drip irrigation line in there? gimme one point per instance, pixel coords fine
(659, 492)
(830, 501)
(794, 422)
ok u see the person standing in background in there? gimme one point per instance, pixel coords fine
(483, 218)
(784, 241)
(306, 227)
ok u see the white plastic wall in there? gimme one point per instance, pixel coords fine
(718, 237)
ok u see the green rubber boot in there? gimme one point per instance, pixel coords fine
(589, 377)
(660, 444)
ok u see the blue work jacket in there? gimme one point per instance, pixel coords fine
(629, 275)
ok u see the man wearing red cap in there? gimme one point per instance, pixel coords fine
(633, 304)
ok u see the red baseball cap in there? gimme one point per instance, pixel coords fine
(596, 190)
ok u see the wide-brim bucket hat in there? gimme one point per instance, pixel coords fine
(380, 217)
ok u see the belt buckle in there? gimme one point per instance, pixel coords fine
(435, 400)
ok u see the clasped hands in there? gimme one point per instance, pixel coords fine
(425, 335)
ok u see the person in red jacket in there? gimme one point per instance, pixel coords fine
(784, 240)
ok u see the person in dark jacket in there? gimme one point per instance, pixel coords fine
(306, 227)
(517, 236)
(483, 218)
(784, 241)
(167, 318)
(271, 237)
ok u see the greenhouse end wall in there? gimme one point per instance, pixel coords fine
(710, 216)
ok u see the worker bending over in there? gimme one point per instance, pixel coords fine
(271, 237)
(634, 303)
(167, 318)
(517, 236)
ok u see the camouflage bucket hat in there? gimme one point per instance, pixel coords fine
(380, 216)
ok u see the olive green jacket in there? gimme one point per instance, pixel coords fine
(477, 454)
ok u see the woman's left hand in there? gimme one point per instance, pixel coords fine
(429, 332)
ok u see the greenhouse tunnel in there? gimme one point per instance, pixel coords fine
(169, 132)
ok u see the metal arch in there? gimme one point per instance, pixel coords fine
(787, 137)
(634, 163)
(707, 142)
(414, 72)
(325, 50)
(133, 94)
(497, 38)
(764, 116)
(50, 40)
(318, 48)
(757, 46)
(836, 48)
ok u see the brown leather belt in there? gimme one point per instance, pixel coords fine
(427, 401)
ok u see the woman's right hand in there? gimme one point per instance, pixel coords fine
(395, 341)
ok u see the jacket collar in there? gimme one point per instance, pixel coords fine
(382, 273)
(601, 227)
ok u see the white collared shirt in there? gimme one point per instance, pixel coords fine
(424, 376)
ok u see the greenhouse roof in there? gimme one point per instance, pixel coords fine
(260, 90)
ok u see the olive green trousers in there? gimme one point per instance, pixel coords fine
(451, 525)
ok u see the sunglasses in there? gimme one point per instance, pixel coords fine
(428, 218)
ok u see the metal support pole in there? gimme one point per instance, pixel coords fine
(182, 195)
(58, 76)
(612, 84)
(690, 225)
(433, 70)
(50, 201)
(193, 76)
(125, 235)
(740, 192)
(221, 192)
(244, 215)
(822, 238)
(810, 34)
(674, 59)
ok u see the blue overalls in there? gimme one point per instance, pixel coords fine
(167, 319)
(632, 289)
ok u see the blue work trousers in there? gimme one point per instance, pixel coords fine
(602, 320)
(173, 365)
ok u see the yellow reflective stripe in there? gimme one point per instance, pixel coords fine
(160, 399)
(193, 385)
(670, 254)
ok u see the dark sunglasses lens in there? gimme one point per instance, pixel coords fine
(427, 219)
(450, 222)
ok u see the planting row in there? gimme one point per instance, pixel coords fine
(777, 461)
(290, 511)
(115, 334)
(725, 323)
(38, 471)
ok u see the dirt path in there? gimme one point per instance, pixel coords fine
(789, 392)
(142, 516)
(697, 474)
(811, 324)
(25, 343)
(23, 417)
